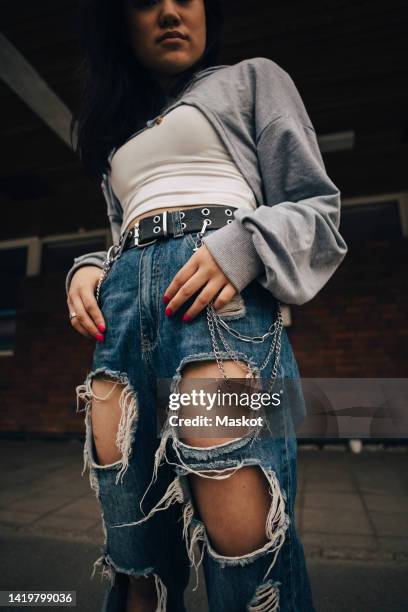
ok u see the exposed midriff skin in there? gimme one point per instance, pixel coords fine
(159, 210)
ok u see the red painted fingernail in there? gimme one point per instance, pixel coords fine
(185, 317)
(166, 299)
(101, 327)
(168, 311)
(99, 337)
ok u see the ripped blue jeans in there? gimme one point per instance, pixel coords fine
(150, 518)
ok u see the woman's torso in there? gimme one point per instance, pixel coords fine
(180, 163)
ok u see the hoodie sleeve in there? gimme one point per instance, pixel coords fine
(290, 244)
(97, 258)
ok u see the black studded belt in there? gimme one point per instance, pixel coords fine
(176, 223)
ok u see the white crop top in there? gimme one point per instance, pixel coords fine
(178, 162)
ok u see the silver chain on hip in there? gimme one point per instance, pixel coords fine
(107, 263)
(215, 322)
(102, 276)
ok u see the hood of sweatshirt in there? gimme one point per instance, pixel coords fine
(197, 76)
(200, 74)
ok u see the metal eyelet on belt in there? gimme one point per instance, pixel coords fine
(156, 229)
(183, 225)
(205, 211)
(156, 218)
(182, 214)
(229, 221)
(228, 211)
(208, 221)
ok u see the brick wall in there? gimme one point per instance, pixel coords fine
(37, 385)
(357, 326)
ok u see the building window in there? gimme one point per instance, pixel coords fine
(13, 266)
(371, 222)
(58, 255)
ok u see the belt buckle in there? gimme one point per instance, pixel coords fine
(136, 237)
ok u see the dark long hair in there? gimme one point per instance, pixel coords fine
(119, 94)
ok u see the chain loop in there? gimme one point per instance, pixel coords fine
(214, 321)
(107, 263)
(198, 241)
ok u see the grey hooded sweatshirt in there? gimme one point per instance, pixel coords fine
(290, 243)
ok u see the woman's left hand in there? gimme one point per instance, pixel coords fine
(200, 272)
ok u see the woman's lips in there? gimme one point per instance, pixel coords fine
(172, 39)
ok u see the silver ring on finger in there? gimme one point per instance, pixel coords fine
(72, 315)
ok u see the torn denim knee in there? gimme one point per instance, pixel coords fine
(277, 521)
(128, 403)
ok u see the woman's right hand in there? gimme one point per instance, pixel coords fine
(81, 299)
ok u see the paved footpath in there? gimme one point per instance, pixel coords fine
(351, 512)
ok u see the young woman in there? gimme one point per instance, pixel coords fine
(220, 208)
